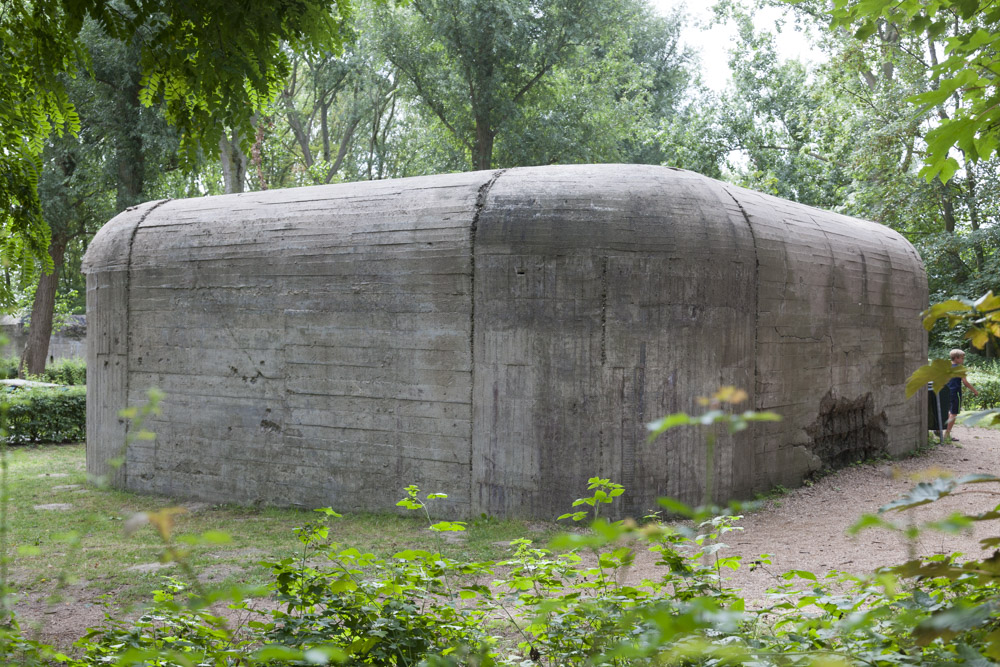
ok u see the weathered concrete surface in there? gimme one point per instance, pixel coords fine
(69, 342)
(499, 336)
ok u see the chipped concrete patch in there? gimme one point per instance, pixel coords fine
(65, 487)
(53, 474)
(62, 507)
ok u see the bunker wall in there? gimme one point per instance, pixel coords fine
(498, 336)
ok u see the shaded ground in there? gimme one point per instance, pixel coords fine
(803, 529)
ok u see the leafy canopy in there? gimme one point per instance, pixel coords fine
(967, 75)
(211, 64)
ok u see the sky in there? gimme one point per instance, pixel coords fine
(712, 41)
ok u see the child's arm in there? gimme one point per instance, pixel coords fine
(965, 381)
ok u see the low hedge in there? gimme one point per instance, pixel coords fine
(66, 371)
(62, 371)
(46, 415)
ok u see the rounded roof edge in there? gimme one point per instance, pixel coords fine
(109, 249)
(111, 246)
(739, 195)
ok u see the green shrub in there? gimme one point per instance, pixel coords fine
(984, 374)
(61, 371)
(8, 368)
(46, 415)
(989, 395)
(66, 371)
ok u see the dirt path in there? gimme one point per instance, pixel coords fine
(806, 529)
(803, 529)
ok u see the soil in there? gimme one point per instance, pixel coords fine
(803, 529)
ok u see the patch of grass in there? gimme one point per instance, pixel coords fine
(109, 561)
(776, 492)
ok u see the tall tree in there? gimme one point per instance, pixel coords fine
(841, 135)
(121, 148)
(964, 74)
(540, 80)
(182, 47)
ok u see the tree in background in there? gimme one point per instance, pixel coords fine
(520, 82)
(964, 70)
(180, 49)
(840, 135)
(115, 161)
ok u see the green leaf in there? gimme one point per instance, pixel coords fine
(928, 492)
(666, 423)
(943, 309)
(937, 373)
(275, 652)
(951, 622)
(870, 521)
(448, 526)
(865, 31)
(676, 507)
(215, 537)
(974, 418)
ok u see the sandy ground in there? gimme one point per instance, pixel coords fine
(805, 528)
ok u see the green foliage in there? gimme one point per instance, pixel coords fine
(46, 415)
(61, 371)
(179, 48)
(605, 491)
(412, 501)
(570, 604)
(984, 374)
(519, 82)
(964, 75)
(67, 372)
(8, 368)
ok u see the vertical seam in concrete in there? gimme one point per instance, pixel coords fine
(604, 311)
(128, 327)
(756, 316)
(484, 191)
(756, 279)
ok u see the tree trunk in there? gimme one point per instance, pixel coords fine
(972, 203)
(130, 158)
(36, 348)
(234, 163)
(482, 157)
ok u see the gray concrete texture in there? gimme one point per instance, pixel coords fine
(497, 336)
(69, 342)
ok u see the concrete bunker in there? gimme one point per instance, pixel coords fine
(498, 336)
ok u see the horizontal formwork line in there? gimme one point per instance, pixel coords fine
(394, 431)
(334, 236)
(388, 366)
(380, 397)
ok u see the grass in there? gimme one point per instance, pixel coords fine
(107, 560)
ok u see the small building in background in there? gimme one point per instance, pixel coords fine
(67, 342)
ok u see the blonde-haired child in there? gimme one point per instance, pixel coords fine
(955, 385)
